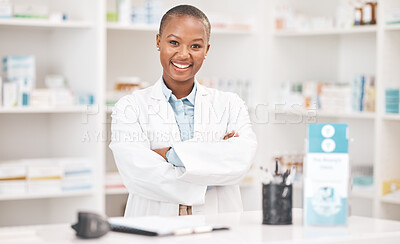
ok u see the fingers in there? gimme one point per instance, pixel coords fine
(228, 135)
(231, 134)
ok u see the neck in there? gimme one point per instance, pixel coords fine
(180, 89)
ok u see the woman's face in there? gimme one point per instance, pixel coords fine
(183, 47)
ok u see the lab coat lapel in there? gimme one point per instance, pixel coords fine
(201, 112)
(161, 107)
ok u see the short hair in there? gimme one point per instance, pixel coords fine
(186, 10)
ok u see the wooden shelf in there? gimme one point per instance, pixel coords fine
(322, 32)
(116, 191)
(44, 23)
(46, 195)
(353, 115)
(362, 193)
(132, 27)
(393, 27)
(323, 114)
(391, 117)
(391, 199)
(35, 110)
(154, 28)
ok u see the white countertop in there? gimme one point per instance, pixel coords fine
(245, 228)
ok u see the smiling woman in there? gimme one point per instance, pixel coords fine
(176, 144)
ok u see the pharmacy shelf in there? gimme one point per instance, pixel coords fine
(116, 191)
(362, 193)
(154, 28)
(47, 195)
(356, 193)
(321, 32)
(132, 27)
(38, 110)
(393, 27)
(44, 23)
(391, 117)
(323, 114)
(391, 199)
(352, 115)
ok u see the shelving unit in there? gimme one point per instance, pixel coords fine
(136, 27)
(391, 117)
(116, 191)
(73, 49)
(391, 200)
(354, 115)
(48, 195)
(392, 27)
(334, 55)
(323, 114)
(321, 32)
(27, 110)
(154, 29)
(35, 23)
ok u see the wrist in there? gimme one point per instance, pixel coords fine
(166, 153)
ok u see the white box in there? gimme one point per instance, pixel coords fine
(13, 187)
(77, 173)
(10, 94)
(5, 9)
(44, 186)
(44, 175)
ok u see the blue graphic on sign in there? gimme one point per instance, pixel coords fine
(327, 138)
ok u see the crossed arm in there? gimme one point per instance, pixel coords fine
(163, 151)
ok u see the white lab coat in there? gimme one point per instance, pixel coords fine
(145, 120)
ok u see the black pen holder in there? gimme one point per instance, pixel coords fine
(277, 204)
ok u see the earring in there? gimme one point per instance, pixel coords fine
(205, 57)
(158, 49)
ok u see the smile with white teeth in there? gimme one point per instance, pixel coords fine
(181, 66)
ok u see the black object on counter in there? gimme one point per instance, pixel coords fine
(91, 225)
(277, 204)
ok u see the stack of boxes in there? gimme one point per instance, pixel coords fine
(335, 98)
(239, 86)
(17, 87)
(77, 174)
(363, 93)
(19, 80)
(13, 177)
(357, 96)
(45, 176)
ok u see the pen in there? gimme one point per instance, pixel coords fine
(291, 176)
(285, 176)
(276, 167)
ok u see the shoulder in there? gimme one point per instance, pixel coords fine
(135, 97)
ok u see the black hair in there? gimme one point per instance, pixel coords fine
(186, 10)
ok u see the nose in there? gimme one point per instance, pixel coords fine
(183, 52)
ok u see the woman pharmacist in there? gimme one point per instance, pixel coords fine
(182, 148)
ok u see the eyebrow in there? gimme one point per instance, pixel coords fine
(198, 39)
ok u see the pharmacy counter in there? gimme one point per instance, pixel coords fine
(245, 228)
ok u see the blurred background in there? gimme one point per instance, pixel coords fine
(294, 62)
